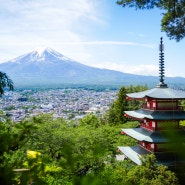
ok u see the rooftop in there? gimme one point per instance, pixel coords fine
(135, 152)
(141, 134)
(156, 115)
(159, 93)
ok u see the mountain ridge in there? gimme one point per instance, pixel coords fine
(44, 66)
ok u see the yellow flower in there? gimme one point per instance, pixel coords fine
(33, 154)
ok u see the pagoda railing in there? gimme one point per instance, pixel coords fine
(146, 146)
(143, 125)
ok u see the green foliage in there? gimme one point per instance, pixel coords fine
(6, 167)
(173, 21)
(151, 173)
(124, 173)
(90, 119)
(5, 81)
(115, 115)
(5, 137)
(77, 153)
(50, 151)
(10, 156)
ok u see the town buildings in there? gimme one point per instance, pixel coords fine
(65, 103)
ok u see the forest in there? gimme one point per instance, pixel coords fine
(43, 150)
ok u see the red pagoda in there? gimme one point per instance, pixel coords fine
(159, 117)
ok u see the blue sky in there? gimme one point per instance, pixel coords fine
(97, 33)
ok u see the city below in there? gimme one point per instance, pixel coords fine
(65, 103)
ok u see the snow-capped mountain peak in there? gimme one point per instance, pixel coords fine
(45, 53)
(42, 54)
(41, 50)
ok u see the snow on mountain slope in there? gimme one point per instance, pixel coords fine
(41, 54)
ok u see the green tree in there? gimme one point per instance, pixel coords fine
(5, 81)
(149, 173)
(5, 143)
(117, 109)
(115, 114)
(90, 119)
(12, 138)
(173, 20)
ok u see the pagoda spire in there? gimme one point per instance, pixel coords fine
(161, 65)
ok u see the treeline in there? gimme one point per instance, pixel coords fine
(90, 87)
(44, 150)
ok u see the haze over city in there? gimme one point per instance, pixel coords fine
(97, 33)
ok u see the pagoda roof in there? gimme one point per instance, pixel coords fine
(157, 115)
(134, 153)
(159, 93)
(141, 134)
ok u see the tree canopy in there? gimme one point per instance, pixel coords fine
(115, 114)
(44, 150)
(5, 81)
(173, 20)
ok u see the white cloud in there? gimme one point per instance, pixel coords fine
(111, 43)
(26, 24)
(133, 69)
(46, 17)
(148, 70)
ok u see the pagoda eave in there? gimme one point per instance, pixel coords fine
(145, 135)
(158, 93)
(156, 115)
(134, 153)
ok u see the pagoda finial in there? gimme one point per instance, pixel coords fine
(161, 65)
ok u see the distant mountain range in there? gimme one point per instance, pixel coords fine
(49, 67)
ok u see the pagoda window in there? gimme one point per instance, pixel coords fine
(153, 124)
(154, 104)
(152, 147)
(151, 104)
(148, 104)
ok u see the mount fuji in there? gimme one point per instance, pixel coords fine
(45, 66)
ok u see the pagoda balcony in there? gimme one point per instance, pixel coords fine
(147, 127)
(146, 146)
(178, 108)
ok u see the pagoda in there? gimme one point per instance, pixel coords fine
(159, 120)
